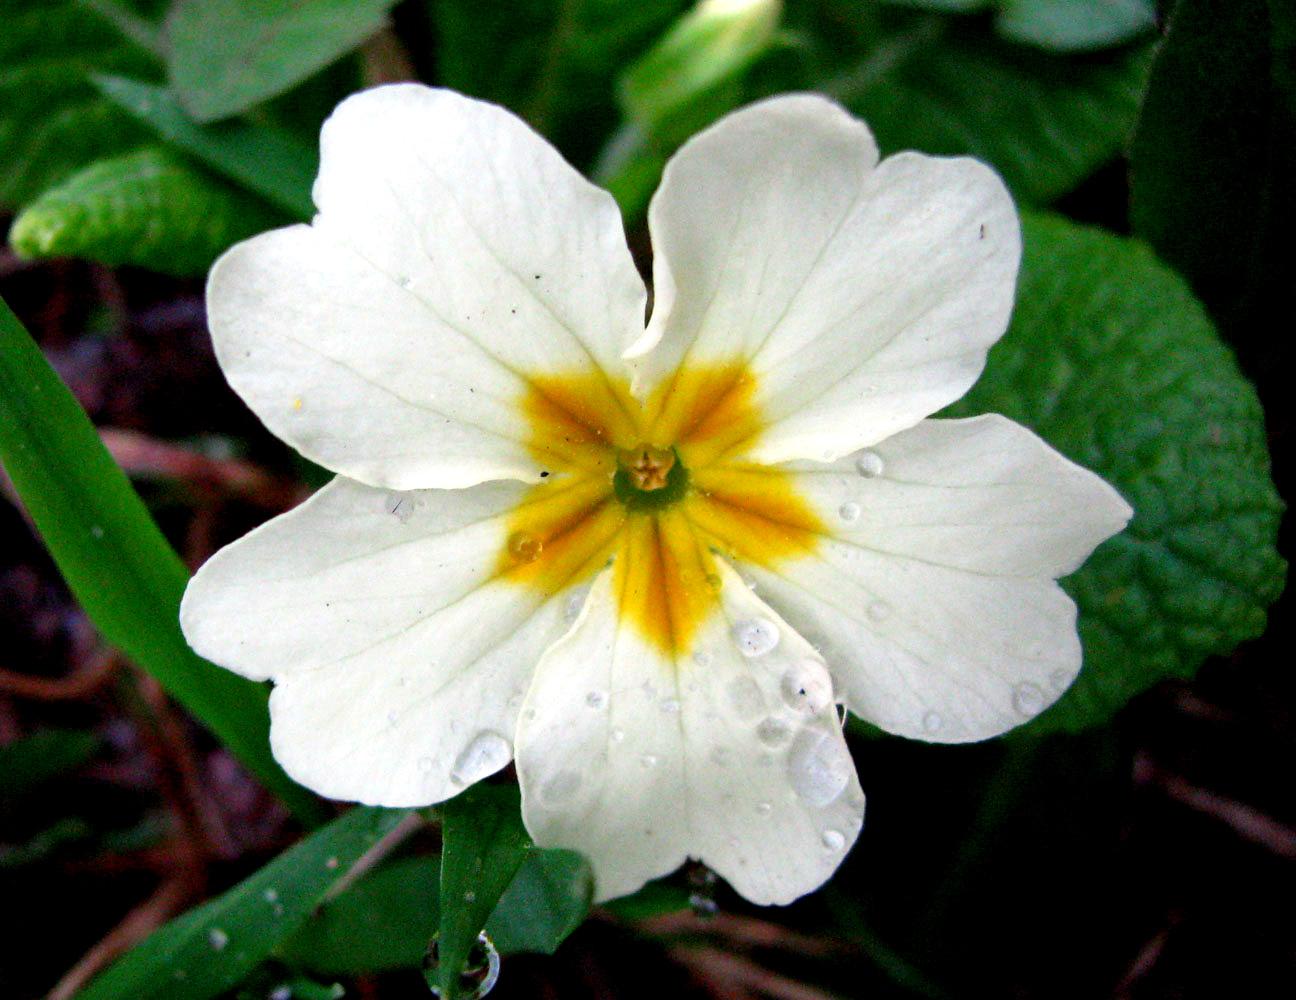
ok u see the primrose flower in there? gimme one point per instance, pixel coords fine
(644, 560)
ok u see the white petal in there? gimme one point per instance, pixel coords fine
(400, 658)
(455, 256)
(932, 595)
(861, 298)
(729, 752)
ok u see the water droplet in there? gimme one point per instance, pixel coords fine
(485, 754)
(470, 896)
(931, 722)
(617, 735)
(595, 699)
(879, 611)
(1028, 699)
(281, 992)
(217, 938)
(561, 787)
(745, 697)
(763, 808)
(702, 905)
(670, 706)
(648, 760)
(331, 864)
(773, 731)
(393, 716)
(97, 531)
(575, 601)
(477, 977)
(849, 511)
(271, 895)
(703, 659)
(819, 767)
(868, 464)
(714, 583)
(720, 756)
(806, 687)
(400, 506)
(756, 636)
(530, 715)
(833, 840)
(425, 764)
(1059, 679)
(525, 547)
(404, 281)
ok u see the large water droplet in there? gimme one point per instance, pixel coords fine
(217, 939)
(561, 787)
(868, 464)
(756, 636)
(1028, 699)
(773, 731)
(525, 547)
(931, 722)
(806, 687)
(745, 697)
(849, 511)
(485, 754)
(833, 840)
(477, 977)
(819, 767)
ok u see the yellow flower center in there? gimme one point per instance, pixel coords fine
(653, 488)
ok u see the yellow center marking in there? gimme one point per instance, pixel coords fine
(583, 428)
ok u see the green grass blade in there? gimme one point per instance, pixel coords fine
(117, 562)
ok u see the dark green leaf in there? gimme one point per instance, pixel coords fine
(52, 120)
(1061, 25)
(27, 763)
(1112, 360)
(149, 208)
(213, 948)
(118, 564)
(548, 899)
(262, 158)
(227, 55)
(483, 845)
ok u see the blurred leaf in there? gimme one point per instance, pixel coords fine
(52, 120)
(27, 763)
(653, 899)
(227, 55)
(554, 63)
(213, 948)
(1061, 25)
(149, 208)
(483, 844)
(49, 841)
(114, 558)
(1214, 157)
(1113, 362)
(549, 897)
(262, 158)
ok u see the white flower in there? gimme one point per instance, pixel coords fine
(645, 563)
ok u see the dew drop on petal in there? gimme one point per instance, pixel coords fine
(1028, 699)
(763, 808)
(806, 687)
(572, 606)
(703, 659)
(714, 583)
(756, 636)
(1059, 679)
(818, 767)
(745, 697)
(561, 787)
(670, 706)
(868, 464)
(720, 756)
(485, 754)
(470, 896)
(217, 939)
(773, 731)
(879, 611)
(849, 511)
(648, 760)
(617, 735)
(97, 530)
(595, 699)
(425, 764)
(400, 506)
(833, 840)
(525, 547)
(931, 722)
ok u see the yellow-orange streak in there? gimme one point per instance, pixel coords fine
(575, 527)
(752, 513)
(665, 580)
(578, 421)
(705, 412)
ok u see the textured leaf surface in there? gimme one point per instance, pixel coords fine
(149, 208)
(227, 55)
(1112, 360)
(52, 120)
(114, 558)
(213, 948)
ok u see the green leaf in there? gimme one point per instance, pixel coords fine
(483, 845)
(549, 897)
(555, 64)
(1061, 25)
(227, 55)
(1112, 360)
(213, 948)
(149, 208)
(52, 120)
(1214, 156)
(950, 86)
(27, 763)
(114, 558)
(264, 159)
